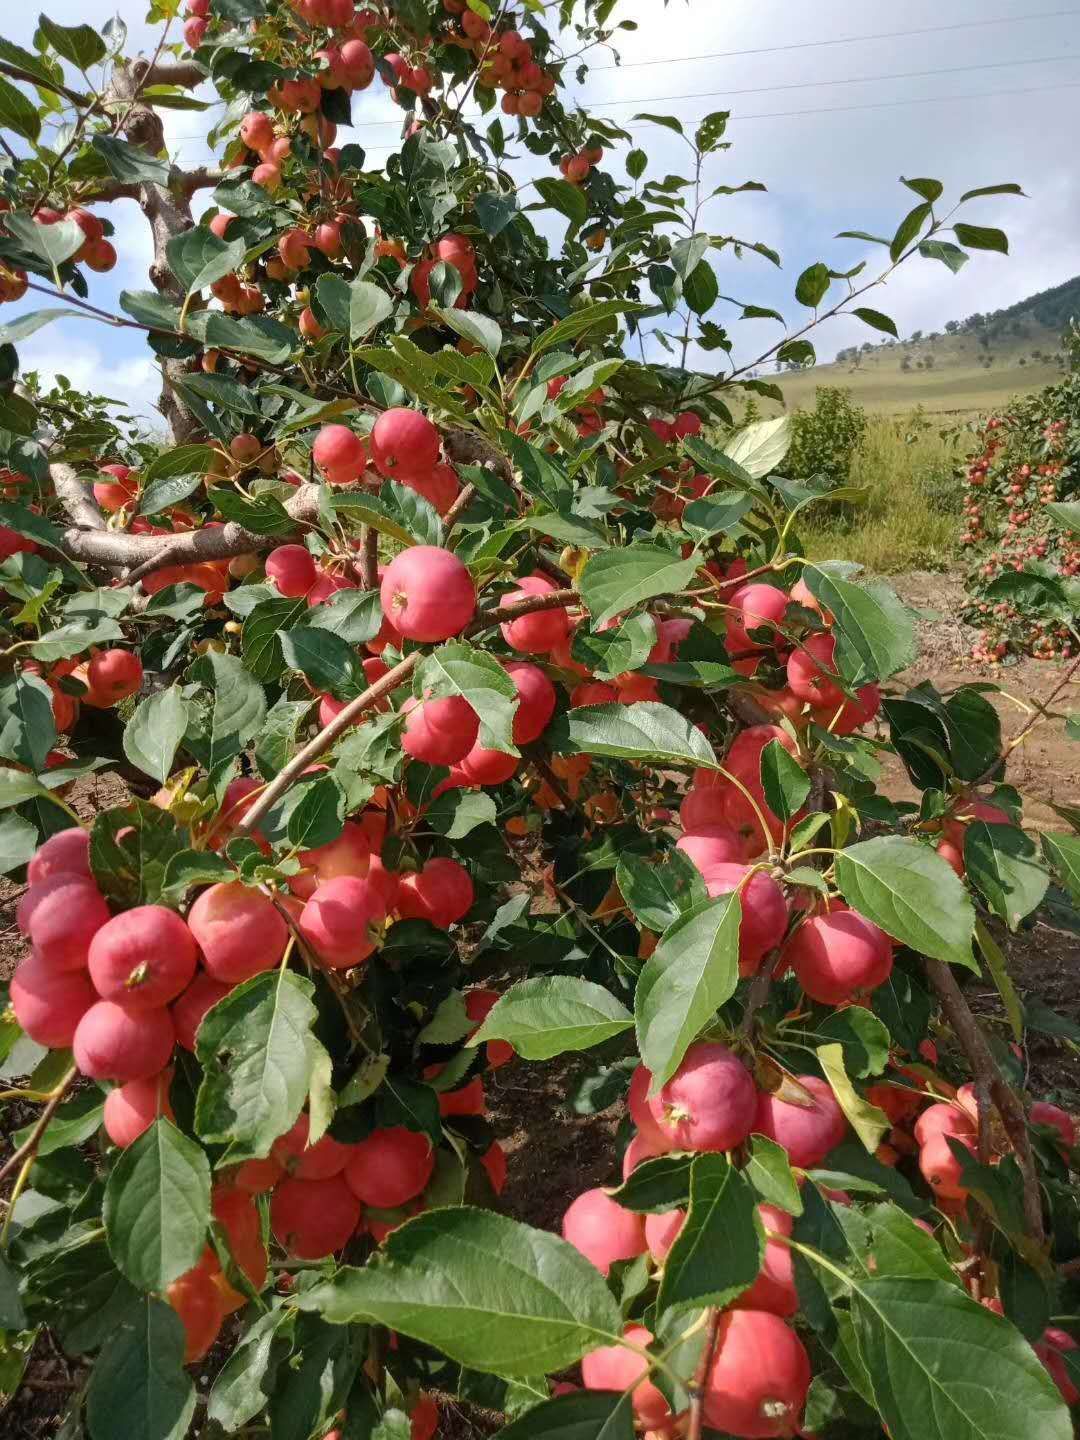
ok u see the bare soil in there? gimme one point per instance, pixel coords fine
(554, 1154)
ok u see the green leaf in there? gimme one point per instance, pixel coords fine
(242, 1383)
(264, 628)
(1003, 863)
(17, 786)
(812, 285)
(568, 199)
(12, 1314)
(157, 1206)
(617, 579)
(154, 732)
(690, 974)
(581, 1415)
(327, 661)
(18, 112)
(495, 212)
(760, 448)
(943, 250)
(197, 258)
(929, 190)
(236, 710)
(785, 782)
(714, 516)
(876, 320)
(354, 615)
(130, 164)
(80, 44)
(658, 893)
(539, 1309)
(875, 632)
(1009, 189)
(868, 1122)
(480, 329)
(718, 1252)
(460, 669)
(769, 1171)
(27, 728)
(18, 842)
(594, 316)
(34, 320)
(1067, 515)
(1063, 854)
(667, 121)
(982, 237)
(150, 308)
(864, 1038)
(608, 653)
(648, 732)
(701, 288)
(656, 1186)
(164, 494)
(73, 638)
(944, 1367)
(130, 848)
(549, 1015)
(262, 513)
(255, 335)
(319, 815)
(52, 243)
(257, 1053)
(908, 229)
(911, 893)
(139, 1386)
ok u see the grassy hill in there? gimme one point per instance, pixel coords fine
(974, 365)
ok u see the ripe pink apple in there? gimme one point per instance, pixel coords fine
(390, 1167)
(132, 1108)
(661, 1232)
(190, 1009)
(65, 853)
(764, 910)
(941, 1169)
(404, 443)
(806, 1134)
(602, 1230)
(536, 701)
(49, 1003)
(1043, 1113)
(113, 1042)
(292, 569)
(614, 1367)
(487, 767)
(61, 916)
(440, 732)
(839, 956)
(427, 594)
(756, 608)
(313, 1218)
(349, 854)
(774, 1288)
(943, 1119)
(309, 1162)
(113, 675)
(743, 760)
(640, 1149)
(708, 1104)
(238, 930)
(441, 892)
(342, 921)
(142, 957)
(712, 845)
(637, 1102)
(810, 669)
(542, 630)
(757, 1383)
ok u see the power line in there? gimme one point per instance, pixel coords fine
(764, 89)
(827, 84)
(844, 109)
(847, 40)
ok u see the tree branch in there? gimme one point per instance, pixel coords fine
(33, 1140)
(184, 73)
(76, 497)
(290, 773)
(986, 1073)
(145, 553)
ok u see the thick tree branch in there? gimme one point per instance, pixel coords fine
(184, 73)
(986, 1073)
(76, 497)
(145, 553)
(205, 177)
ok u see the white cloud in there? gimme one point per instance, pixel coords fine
(93, 367)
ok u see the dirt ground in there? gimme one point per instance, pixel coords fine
(573, 1153)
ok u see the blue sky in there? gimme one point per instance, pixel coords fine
(832, 170)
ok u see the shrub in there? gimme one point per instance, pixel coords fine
(824, 440)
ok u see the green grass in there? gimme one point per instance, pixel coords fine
(910, 518)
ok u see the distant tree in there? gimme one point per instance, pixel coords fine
(928, 361)
(951, 327)
(916, 335)
(905, 363)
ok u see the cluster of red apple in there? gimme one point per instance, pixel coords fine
(96, 252)
(576, 168)
(506, 63)
(105, 679)
(123, 990)
(403, 446)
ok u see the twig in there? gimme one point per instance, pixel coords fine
(986, 1072)
(341, 722)
(757, 994)
(369, 557)
(461, 504)
(696, 1388)
(29, 1146)
(538, 760)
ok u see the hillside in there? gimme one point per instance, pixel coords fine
(974, 364)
